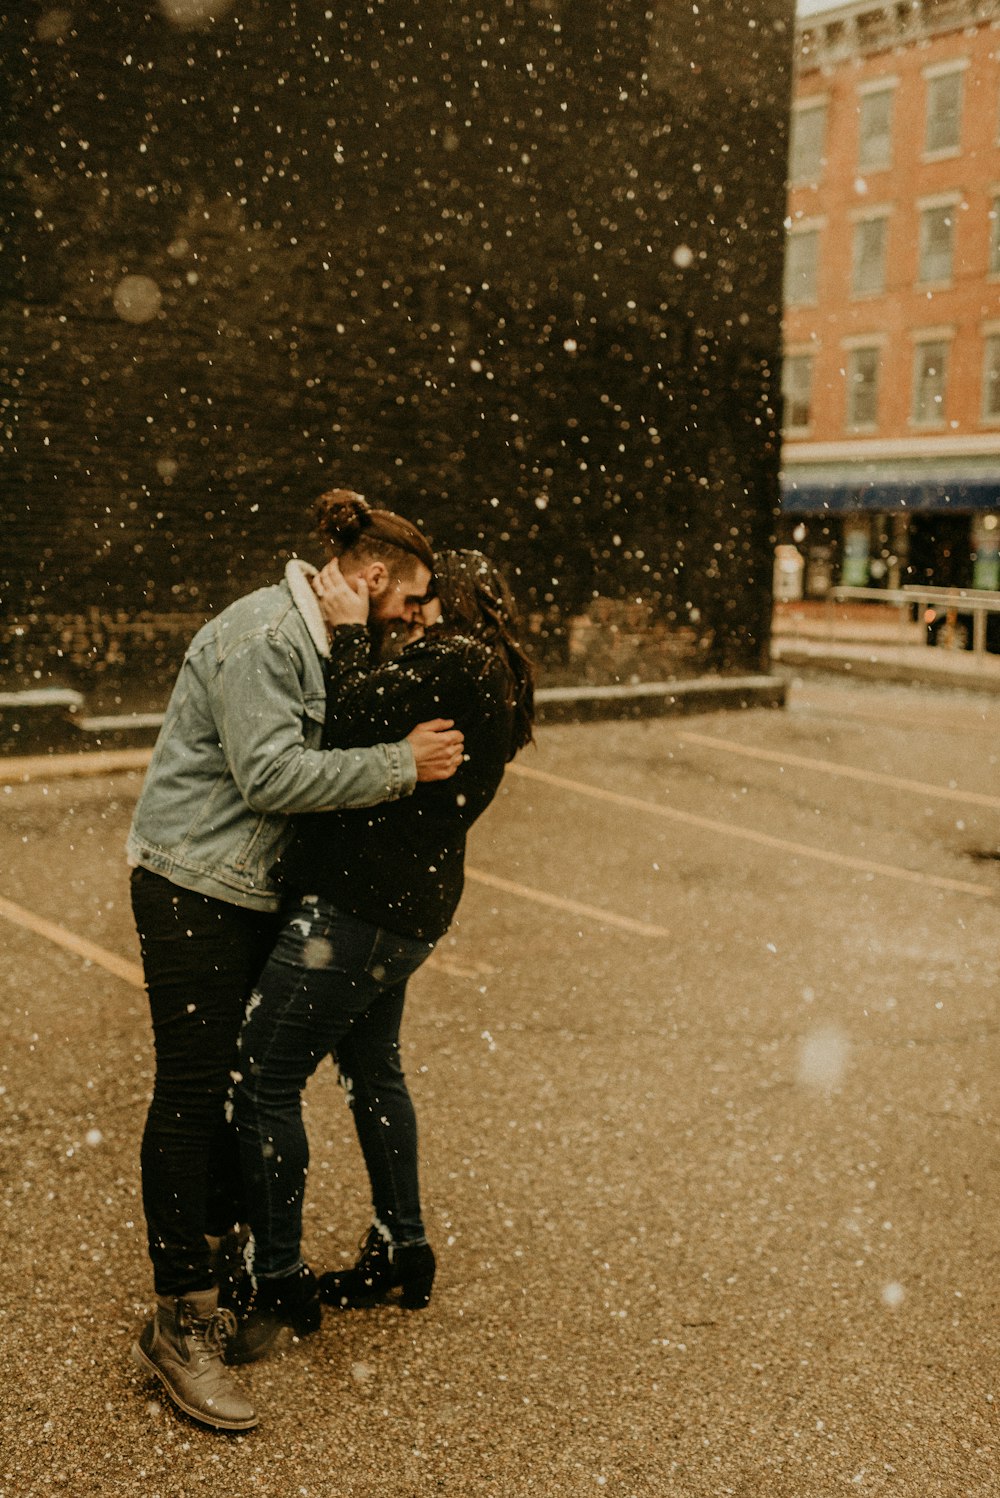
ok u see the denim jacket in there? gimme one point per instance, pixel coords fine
(239, 750)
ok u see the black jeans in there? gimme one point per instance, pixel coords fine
(201, 958)
(333, 985)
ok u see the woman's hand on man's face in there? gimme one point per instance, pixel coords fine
(341, 601)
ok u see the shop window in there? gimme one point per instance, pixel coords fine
(991, 379)
(875, 130)
(862, 388)
(802, 267)
(796, 387)
(937, 242)
(930, 378)
(805, 156)
(943, 128)
(868, 272)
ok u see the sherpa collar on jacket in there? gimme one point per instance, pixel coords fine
(298, 575)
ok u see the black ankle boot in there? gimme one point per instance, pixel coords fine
(381, 1269)
(273, 1306)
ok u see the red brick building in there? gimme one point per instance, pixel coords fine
(891, 458)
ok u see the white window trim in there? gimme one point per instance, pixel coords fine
(943, 334)
(805, 225)
(942, 69)
(939, 200)
(878, 85)
(864, 340)
(865, 215)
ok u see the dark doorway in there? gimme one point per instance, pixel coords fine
(940, 551)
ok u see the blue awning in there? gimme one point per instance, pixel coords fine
(887, 497)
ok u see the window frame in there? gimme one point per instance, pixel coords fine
(933, 75)
(805, 229)
(797, 354)
(814, 104)
(991, 343)
(993, 239)
(855, 348)
(924, 339)
(947, 203)
(867, 91)
(861, 220)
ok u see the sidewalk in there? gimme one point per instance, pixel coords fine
(870, 642)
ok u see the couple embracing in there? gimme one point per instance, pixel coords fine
(296, 853)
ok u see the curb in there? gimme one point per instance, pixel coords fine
(124, 744)
(655, 699)
(863, 663)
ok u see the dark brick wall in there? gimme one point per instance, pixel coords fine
(515, 269)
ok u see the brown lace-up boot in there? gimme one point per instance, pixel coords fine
(182, 1346)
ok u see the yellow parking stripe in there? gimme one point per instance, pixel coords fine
(129, 972)
(848, 772)
(570, 907)
(745, 834)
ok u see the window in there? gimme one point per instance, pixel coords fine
(796, 387)
(862, 387)
(995, 237)
(805, 156)
(875, 144)
(868, 270)
(991, 379)
(801, 266)
(943, 129)
(930, 377)
(937, 240)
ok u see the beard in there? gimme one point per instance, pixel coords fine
(390, 636)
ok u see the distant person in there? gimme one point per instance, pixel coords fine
(370, 893)
(239, 753)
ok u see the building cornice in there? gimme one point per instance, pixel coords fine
(865, 26)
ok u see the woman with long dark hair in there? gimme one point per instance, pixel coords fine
(238, 758)
(371, 892)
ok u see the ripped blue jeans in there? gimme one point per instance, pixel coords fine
(333, 985)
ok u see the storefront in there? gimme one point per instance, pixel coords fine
(890, 533)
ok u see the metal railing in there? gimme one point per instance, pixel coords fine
(979, 602)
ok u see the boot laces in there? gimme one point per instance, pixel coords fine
(214, 1331)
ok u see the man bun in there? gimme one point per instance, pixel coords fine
(342, 516)
(353, 529)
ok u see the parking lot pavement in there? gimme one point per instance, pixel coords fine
(706, 1076)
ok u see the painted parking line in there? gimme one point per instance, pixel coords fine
(22, 768)
(129, 972)
(748, 835)
(568, 907)
(847, 772)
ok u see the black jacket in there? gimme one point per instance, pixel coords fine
(400, 864)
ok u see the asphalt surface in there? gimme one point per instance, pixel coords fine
(706, 1078)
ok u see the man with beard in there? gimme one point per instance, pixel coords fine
(237, 755)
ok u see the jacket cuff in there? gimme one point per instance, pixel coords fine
(402, 770)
